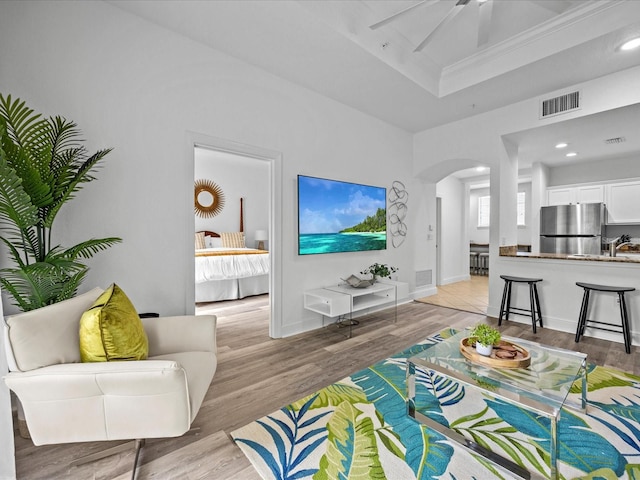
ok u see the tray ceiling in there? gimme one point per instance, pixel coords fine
(529, 48)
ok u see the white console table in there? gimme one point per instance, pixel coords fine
(342, 301)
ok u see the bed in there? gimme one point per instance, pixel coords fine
(226, 269)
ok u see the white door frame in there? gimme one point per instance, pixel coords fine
(274, 160)
(438, 240)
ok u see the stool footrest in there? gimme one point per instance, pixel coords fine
(515, 311)
(588, 322)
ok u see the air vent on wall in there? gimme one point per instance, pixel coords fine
(562, 104)
(423, 278)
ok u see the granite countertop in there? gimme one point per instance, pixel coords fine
(622, 257)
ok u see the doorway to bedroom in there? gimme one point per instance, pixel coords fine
(232, 219)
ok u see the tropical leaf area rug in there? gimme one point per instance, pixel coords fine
(358, 428)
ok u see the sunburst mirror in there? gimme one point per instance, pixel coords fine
(208, 198)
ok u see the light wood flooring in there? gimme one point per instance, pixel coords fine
(469, 295)
(257, 375)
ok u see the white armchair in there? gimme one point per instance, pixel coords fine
(65, 400)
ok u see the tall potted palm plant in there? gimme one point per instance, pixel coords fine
(43, 164)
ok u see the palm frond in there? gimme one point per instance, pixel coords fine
(24, 304)
(27, 146)
(70, 288)
(67, 191)
(89, 248)
(23, 124)
(42, 283)
(64, 135)
(17, 213)
(15, 254)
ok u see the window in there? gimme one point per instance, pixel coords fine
(521, 205)
(484, 209)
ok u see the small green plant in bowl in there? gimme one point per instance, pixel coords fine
(484, 335)
(379, 270)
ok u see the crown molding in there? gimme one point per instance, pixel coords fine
(546, 39)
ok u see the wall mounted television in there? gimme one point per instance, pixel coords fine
(335, 216)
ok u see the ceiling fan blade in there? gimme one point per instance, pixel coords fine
(423, 3)
(484, 22)
(555, 7)
(448, 17)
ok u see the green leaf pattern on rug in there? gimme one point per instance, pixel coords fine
(384, 384)
(603, 377)
(352, 451)
(354, 428)
(333, 395)
(633, 471)
(578, 445)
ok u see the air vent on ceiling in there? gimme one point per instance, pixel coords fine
(611, 141)
(562, 104)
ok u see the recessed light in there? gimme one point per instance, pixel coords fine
(562, 145)
(631, 44)
(571, 154)
(480, 169)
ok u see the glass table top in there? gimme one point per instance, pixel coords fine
(544, 385)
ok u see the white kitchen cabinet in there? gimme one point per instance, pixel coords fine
(578, 194)
(590, 194)
(560, 196)
(623, 203)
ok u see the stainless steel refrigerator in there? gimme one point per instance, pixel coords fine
(572, 229)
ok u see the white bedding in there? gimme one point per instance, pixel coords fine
(228, 267)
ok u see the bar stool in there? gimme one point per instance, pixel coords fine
(483, 263)
(473, 262)
(534, 301)
(582, 320)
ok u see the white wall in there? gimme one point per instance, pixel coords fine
(140, 89)
(454, 246)
(238, 177)
(598, 171)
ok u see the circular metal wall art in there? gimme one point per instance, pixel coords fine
(208, 198)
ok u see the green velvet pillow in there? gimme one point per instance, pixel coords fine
(112, 330)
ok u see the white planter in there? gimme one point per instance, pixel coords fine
(484, 349)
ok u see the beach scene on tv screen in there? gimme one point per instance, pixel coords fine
(336, 216)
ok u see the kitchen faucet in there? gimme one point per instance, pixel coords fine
(614, 246)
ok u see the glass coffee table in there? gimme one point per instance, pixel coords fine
(541, 388)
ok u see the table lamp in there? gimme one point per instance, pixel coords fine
(261, 236)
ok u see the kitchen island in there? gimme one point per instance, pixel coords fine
(619, 258)
(560, 298)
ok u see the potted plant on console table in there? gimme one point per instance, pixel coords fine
(379, 270)
(485, 337)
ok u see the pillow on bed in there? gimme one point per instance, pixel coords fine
(212, 242)
(233, 240)
(200, 240)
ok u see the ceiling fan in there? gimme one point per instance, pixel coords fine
(483, 26)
